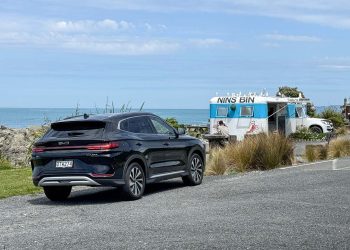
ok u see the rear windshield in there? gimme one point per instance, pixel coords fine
(90, 129)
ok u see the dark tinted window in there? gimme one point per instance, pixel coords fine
(86, 129)
(137, 125)
(78, 125)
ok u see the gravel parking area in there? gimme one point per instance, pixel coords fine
(293, 208)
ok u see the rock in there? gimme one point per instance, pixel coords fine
(16, 144)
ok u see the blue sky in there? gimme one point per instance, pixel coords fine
(170, 54)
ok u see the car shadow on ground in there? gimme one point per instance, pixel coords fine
(104, 195)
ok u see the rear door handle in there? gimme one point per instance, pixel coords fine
(166, 144)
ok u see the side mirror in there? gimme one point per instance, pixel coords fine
(181, 131)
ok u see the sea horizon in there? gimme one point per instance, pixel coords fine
(14, 117)
(30, 117)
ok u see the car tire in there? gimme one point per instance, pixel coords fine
(135, 182)
(196, 171)
(316, 129)
(57, 193)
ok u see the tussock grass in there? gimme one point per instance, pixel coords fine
(258, 152)
(339, 148)
(316, 152)
(217, 164)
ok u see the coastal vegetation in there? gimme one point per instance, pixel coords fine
(333, 115)
(339, 147)
(308, 135)
(259, 152)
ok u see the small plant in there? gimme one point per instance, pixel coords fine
(216, 164)
(316, 152)
(4, 163)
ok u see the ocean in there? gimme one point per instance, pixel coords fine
(27, 117)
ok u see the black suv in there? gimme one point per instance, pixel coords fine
(127, 150)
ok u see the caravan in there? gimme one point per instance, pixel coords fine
(252, 114)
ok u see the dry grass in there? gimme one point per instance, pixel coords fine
(217, 164)
(316, 152)
(339, 148)
(259, 152)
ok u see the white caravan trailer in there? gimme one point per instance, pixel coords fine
(253, 114)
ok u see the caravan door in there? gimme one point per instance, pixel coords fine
(277, 117)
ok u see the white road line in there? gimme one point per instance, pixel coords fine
(341, 169)
(306, 164)
(334, 164)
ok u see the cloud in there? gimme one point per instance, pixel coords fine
(206, 42)
(271, 45)
(291, 38)
(211, 42)
(90, 44)
(91, 26)
(119, 47)
(333, 13)
(87, 36)
(336, 67)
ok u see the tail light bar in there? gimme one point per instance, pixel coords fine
(105, 146)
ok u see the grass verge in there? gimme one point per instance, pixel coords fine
(15, 181)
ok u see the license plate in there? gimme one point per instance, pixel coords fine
(64, 164)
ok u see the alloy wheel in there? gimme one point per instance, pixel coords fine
(136, 181)
(196, 169)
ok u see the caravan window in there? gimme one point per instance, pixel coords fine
(247, 111)
(221, 111)
(299, 112)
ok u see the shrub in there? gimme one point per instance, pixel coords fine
(173, 122)
(304, 133)
(339, 148)
(333, 115)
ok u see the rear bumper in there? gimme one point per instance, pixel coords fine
(87, 170)
(76, 181)
(67, 181)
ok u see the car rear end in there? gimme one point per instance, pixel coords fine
(79, 152)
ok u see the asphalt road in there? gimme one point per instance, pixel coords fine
(306, 207)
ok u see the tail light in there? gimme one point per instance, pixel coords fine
(38, 149)
(103, 146)
(99, 146)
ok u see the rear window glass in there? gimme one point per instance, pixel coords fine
(137, 125)
(91, 129)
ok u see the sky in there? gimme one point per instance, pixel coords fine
(170, 54)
